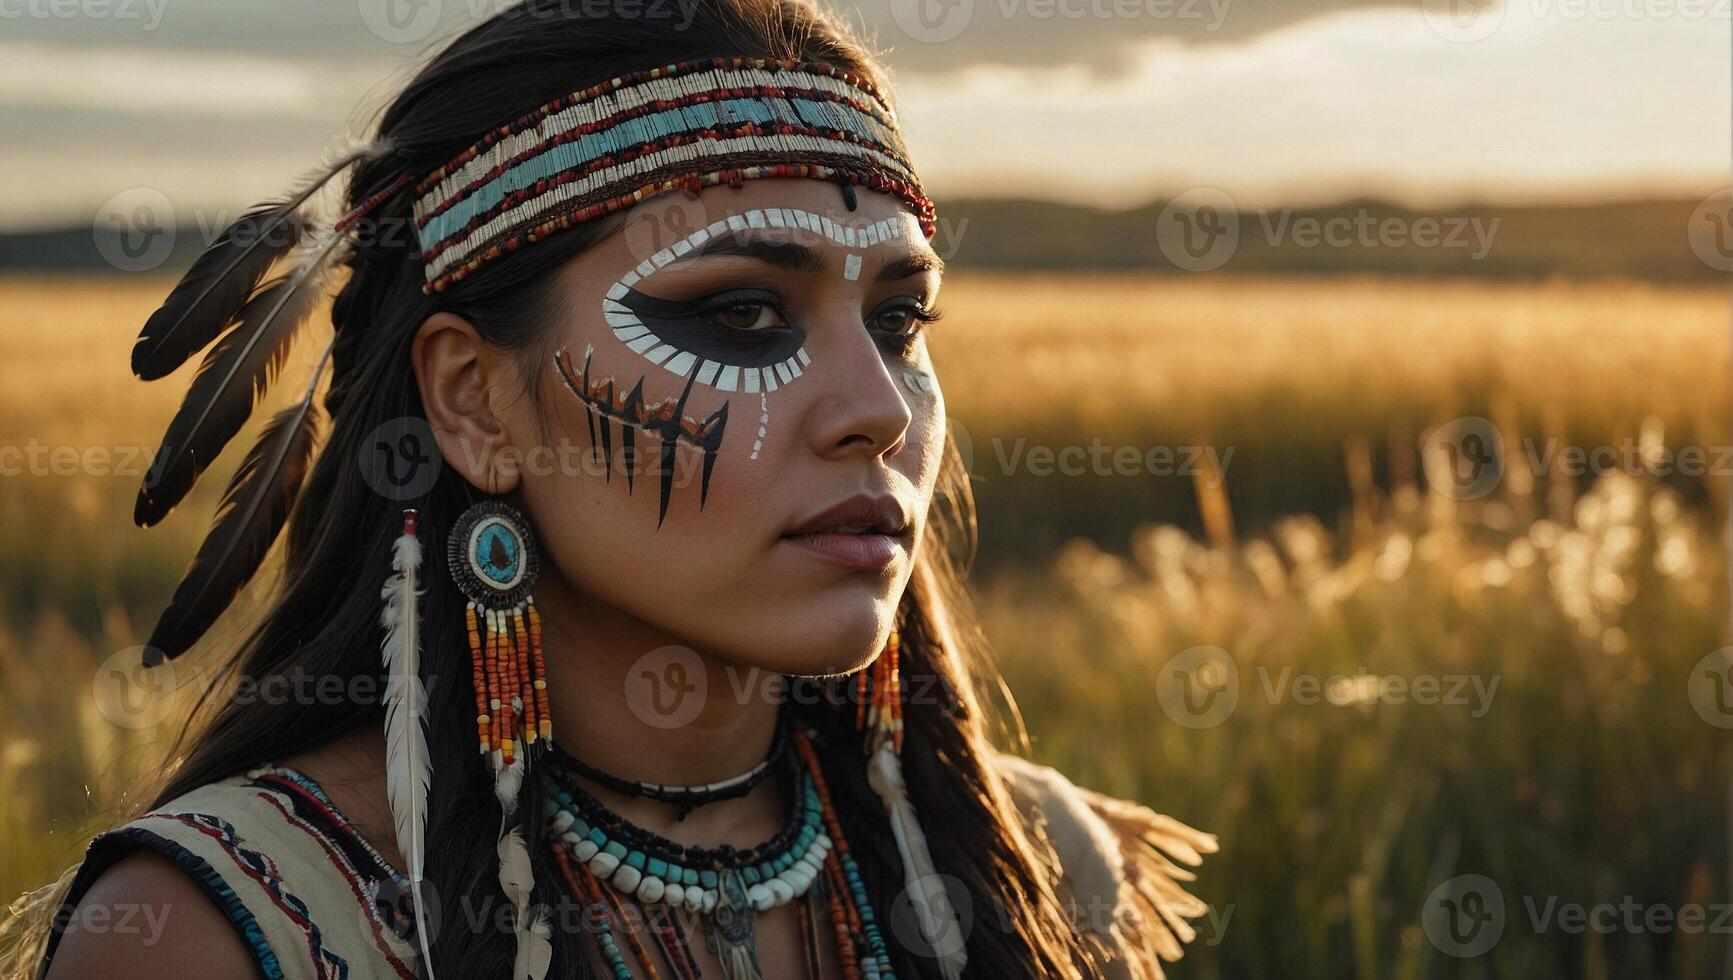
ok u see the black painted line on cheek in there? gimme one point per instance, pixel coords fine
(668, 423)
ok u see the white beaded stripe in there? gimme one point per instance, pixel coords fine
(524, 214)
(631, 97)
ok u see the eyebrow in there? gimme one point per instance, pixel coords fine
(800, 258)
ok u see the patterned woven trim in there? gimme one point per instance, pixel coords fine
(107, 849)
(377, 887)
(679, 127)
(263, 870)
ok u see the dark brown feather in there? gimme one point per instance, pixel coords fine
(255, 506)
(235, 374)
(209, 296)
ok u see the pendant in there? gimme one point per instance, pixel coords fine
(728, 929)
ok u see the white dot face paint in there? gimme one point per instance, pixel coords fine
(669, 335)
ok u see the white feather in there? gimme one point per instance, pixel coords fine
(408, 767)
(926, 890)
(516, 878)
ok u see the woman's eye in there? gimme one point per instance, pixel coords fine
(748, 316)
(897, 320)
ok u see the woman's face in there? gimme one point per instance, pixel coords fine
(767, 341)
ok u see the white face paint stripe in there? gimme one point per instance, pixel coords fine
(640, 339)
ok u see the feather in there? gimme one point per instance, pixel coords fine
(207, 298)
(507, 781)
(517, 879)
(205, 302)
(926, 889)
(408, 767)
(1119, 855)
(256, 504)
(234, 375)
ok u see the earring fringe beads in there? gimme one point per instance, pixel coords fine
(511, 688)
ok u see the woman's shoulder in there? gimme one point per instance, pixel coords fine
(305, 894)
(1120, 862)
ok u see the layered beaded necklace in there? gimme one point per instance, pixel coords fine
(608, 861)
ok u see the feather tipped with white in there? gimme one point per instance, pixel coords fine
(507, 782)
(408, 767)
(926, 890)
(517, 879)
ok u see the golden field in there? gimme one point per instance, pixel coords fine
(1312, 573)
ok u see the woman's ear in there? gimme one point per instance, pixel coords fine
(460, 377)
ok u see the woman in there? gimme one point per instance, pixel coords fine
(632, 556)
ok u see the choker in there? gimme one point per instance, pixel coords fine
(610, 861)
(684, 798)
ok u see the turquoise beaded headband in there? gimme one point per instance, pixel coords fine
(679, 127)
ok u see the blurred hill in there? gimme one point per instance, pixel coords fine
(1639, 239)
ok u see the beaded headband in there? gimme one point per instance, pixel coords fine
(683, 126)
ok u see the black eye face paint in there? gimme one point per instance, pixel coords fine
(694, 326)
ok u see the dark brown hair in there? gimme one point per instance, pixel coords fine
(323, 620)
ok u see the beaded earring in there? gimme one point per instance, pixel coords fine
(493, 560)
(879, 715)
(494, 563)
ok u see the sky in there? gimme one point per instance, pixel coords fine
(219, 103)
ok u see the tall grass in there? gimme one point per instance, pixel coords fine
(1586, 777)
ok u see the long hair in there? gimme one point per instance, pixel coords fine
(322, 620)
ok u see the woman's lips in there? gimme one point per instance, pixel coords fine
(868, 550)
